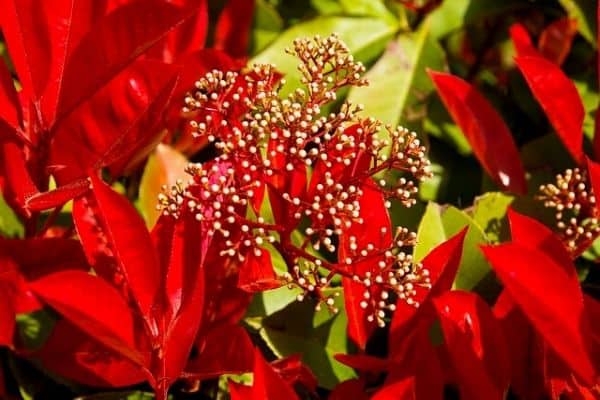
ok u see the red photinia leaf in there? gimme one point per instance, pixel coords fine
(442, 263)
(73, 354)
(530, 233)
(594, 174)
(190, 36)
(58, 196)
(18, 185)
(268, 385)
(350, 389)
(115, 42)
(239, 391)
(92, 305)
(7, 307)
(10, 109)
(232, 33)
(68, 21)
(364, 362)
(559, 98)
(486, 131)
(130, 243)
(522, 41)
(25, 28)
(226, 350)
(550, 299)
(556, 39)
(294, 372)
(475, 344)
(399, 390)
(118, 125)
(257, 273)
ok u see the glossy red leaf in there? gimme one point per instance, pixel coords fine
(10, 109)
(550, 299)
(531, 233)
(477, 349)
(92, 305)
(364, 362)
(7, 306)
(486, 131)
(115, 42)
(118, 126)
(130, 243)
(257, 273)
(73, 354)
(294, 372)
(268, 385)
(556, 39)
(399, 390)
(238, 391)
(58, 196)
(522, 41)
(18, 184)
(26, 30)
(559, 98)
(232, 33)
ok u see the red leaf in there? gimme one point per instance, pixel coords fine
(364, 362)
(559, 98)
(74, 355)
(294, 372)
(522, 41)
(18, 185)
(232, 32)
(58, 196)
(115, 42)
(594, 174)
(257, 273)
(530, 233)
(556, 39)
(268, 385)
(477, 349)
(550, 299)
(25, 28)
(130, 242)
(239, 391)
(488, 135)
(7, 307)
(350, 389)
(92, 305)
(117, 127)
(226, 350)
(399, 390)
(68, 21)
(10, 109)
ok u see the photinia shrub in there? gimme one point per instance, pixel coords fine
(313, 200)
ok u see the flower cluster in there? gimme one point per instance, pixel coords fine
(292, 178)
(575, 205)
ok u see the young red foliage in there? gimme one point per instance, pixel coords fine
(556, 39)
(485, 130)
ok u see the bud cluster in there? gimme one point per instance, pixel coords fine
(284, 168)
(575, 205)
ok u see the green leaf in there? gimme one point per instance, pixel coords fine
(584, 11)
(398, 80)
(438, 225)
(268, 24)
(365, 37)
(164, 167)
(10, 226)
(34, 328)
(317, 335)
(489, 212)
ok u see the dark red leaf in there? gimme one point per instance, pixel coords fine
(488, 135)
(268, 385)
(350, 389)
(73, 354)
(26, 30)
(474, 341)
(10, 109)
(58, 196)
(18, 185)
(399, 390)
(364, 362)
(232, 33)
(550, 299)
(257, 273)
(129, 241)
(294, 372)
(559, 98)
(92, 305)
(556, 39)
(226, 350)
(115, 42)
(7, 306)
(522, 41)
(594, 175)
